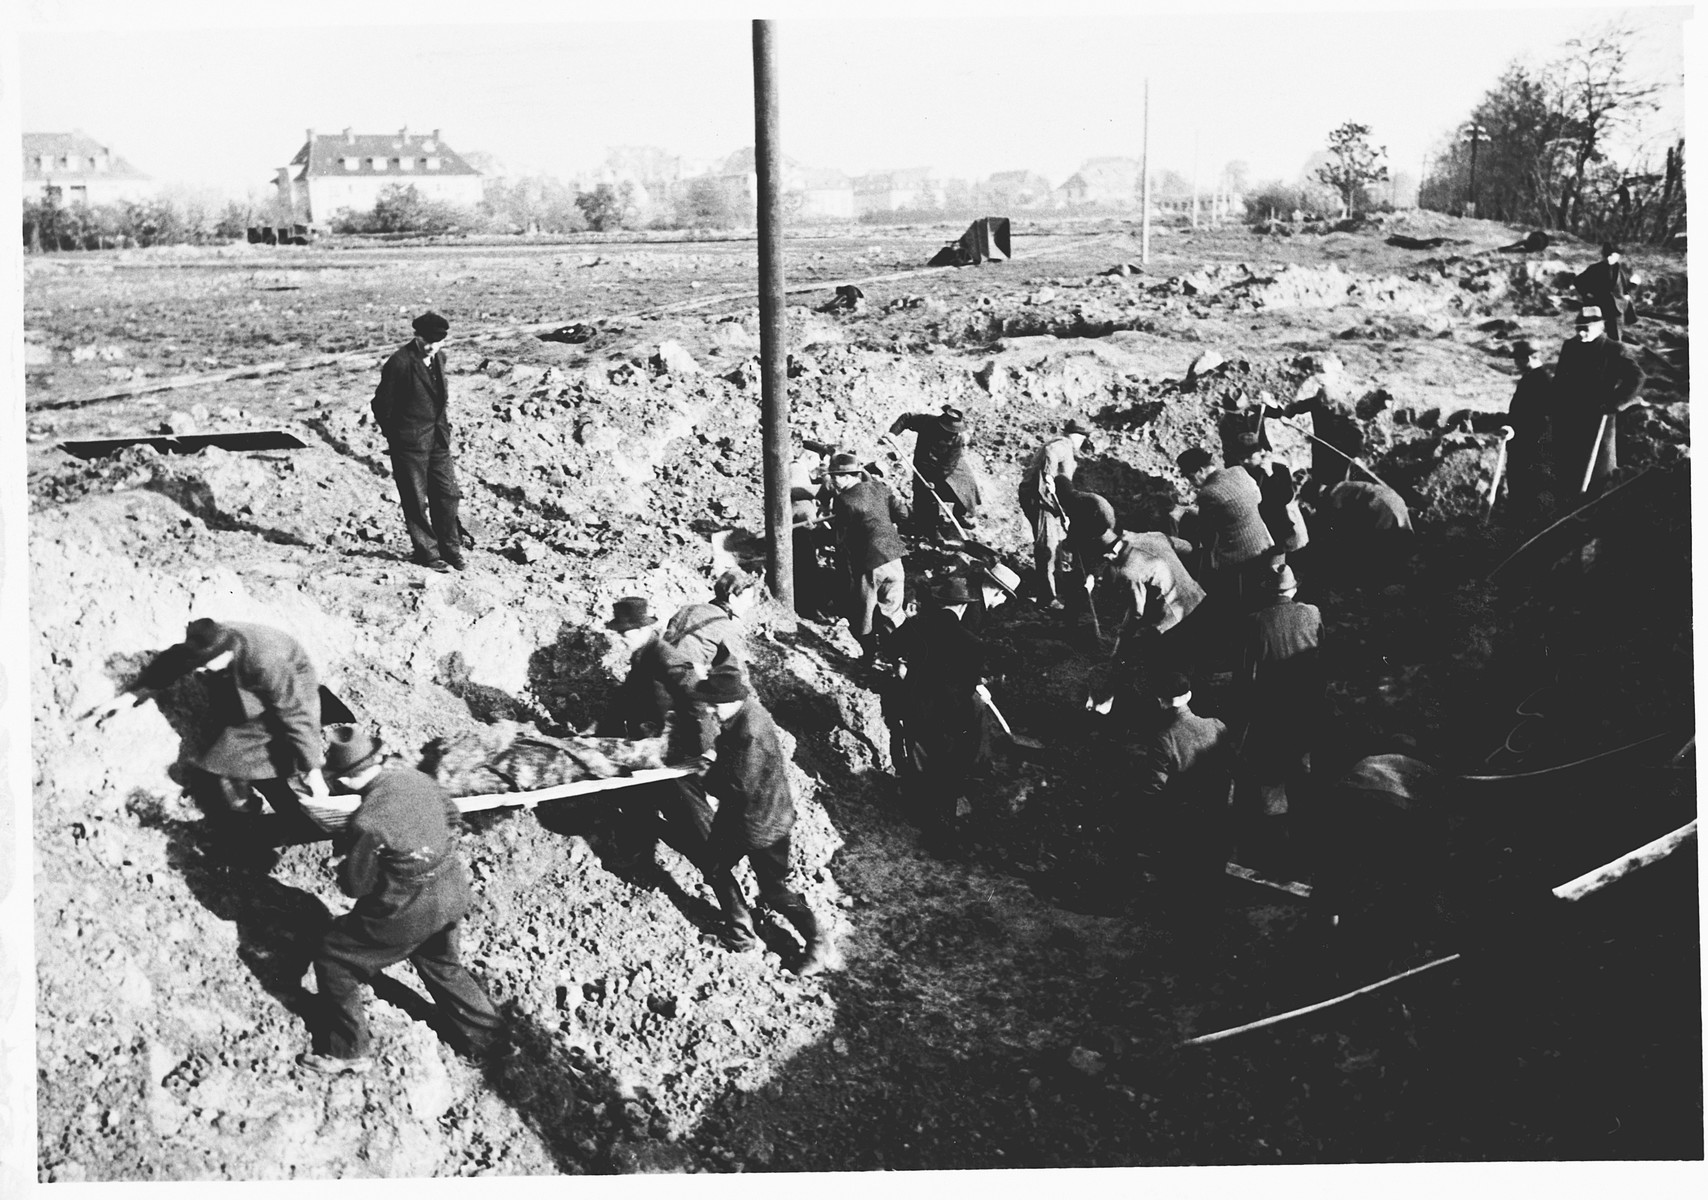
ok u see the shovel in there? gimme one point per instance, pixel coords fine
(1494, 483)
(947, 510)
(1019, 739)
(1103, 707)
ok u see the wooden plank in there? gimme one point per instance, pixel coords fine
(1643, 856)
(562, 791)
(1290, 1014)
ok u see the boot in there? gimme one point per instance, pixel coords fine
(816, 958)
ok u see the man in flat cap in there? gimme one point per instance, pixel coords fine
(1232, 538)
(410, 407)
(942, 719)
(1595, 380)
(943, 472)
(399, 860)
(1056, 458)
(1606, 285)
(863, 517)
(264, 712)
(1281, 676)
(749, 775)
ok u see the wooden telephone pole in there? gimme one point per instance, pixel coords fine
(1145, 166)
(773, 326)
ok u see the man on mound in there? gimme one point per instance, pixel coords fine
(409, 406)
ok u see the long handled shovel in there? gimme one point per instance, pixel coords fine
(1330, 445)
(945, 509)
(1102, 707)
(1494, 483)
(1594, 454)
(1019, 739)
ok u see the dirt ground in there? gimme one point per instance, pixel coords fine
(1022, 1006)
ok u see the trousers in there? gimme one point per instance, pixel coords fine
(345, 962)
(771, 870)
(427, 489)
(878, 592)
(1049, 541)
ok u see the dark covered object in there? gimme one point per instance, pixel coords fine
(1411, 243)
(187, 443)
(987, 237)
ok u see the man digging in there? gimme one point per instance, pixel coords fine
(1044, 509)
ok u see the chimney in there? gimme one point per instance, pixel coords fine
(349, 136)
(435, 135)
(311, 139)
(403, 134)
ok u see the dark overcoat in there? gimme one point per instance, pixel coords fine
(864, 518)
(402, 863)
(410, 402)
(750, 778)
(940, 454)
(1592, 380)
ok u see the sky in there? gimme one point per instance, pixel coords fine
(189, 98)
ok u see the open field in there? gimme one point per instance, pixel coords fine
(1020, 1008)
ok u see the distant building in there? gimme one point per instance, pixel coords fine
(1104, 183)
(334, 172)
(810, 193)
(1014, 191)
(891, 191)
(76, 169)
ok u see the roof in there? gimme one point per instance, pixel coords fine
(58, 145)
(884, 181)
(325, 155)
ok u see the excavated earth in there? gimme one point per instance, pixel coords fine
(1020, 1007)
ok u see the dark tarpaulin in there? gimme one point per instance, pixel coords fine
(985, 238)
(188, 443)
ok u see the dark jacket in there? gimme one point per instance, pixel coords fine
(940, 456)
(750, 778)
(1334, 423)
(1276, 508)
(658, 683)
(1592, 380)
(706, 635)
(1606, 284)
(1358, 508)
(411, 398)
(266, 708)
(1152, 586)
(402, 863)
(945, 662)
(1283, 674)
(1185, 763)
(1529, 412)
(1231, 530)
(1089, 517)
(863, 518)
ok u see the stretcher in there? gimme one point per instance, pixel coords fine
(333, 813)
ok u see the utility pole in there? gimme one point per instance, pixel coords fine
(1145, 166)
(1194, 180)
(773, 328)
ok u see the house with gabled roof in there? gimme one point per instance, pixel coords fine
(347, 171)
(1103, 182)
(890, 191)
(76, 169)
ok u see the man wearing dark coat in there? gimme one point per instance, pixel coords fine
(1595, 380)
(1154, 598)
(1529, 414)
(1179, 797)
(708, 634)
(940, 457)
(1090, 518)
(1606, 286)
(1333, 423)
(868, 550)
(749, 775)
(265, 713)
(400, 862)
(660, 683)
(942, 719)
(1281, 674)
(409, 406)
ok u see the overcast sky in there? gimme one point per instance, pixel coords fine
(967, 89)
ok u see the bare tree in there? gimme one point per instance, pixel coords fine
(1596, 95)
(1352, 164)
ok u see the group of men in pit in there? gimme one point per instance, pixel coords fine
(1190, 589)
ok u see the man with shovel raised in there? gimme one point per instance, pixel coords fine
(945, 490)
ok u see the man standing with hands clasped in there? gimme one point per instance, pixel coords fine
(409, 406)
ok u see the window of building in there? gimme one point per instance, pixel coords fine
(350, 163)
(70, 162)
(44, 163)
(78, 195)
(377, 163)
(429, 145)
(101, 162)
(406, 164)
(432, 162)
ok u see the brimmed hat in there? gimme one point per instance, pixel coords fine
(722, 686)
(1001, 576)
(1609, 248)
(1589, 315)
(952, 418)
(1078, 426)
(1173, 685)
(1194, 459)
(207, 639)
(629, 613)
(1285, 580)
(348, 751)
(431, 326)
(844, 464)
(1523, 350)
(952, 590)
